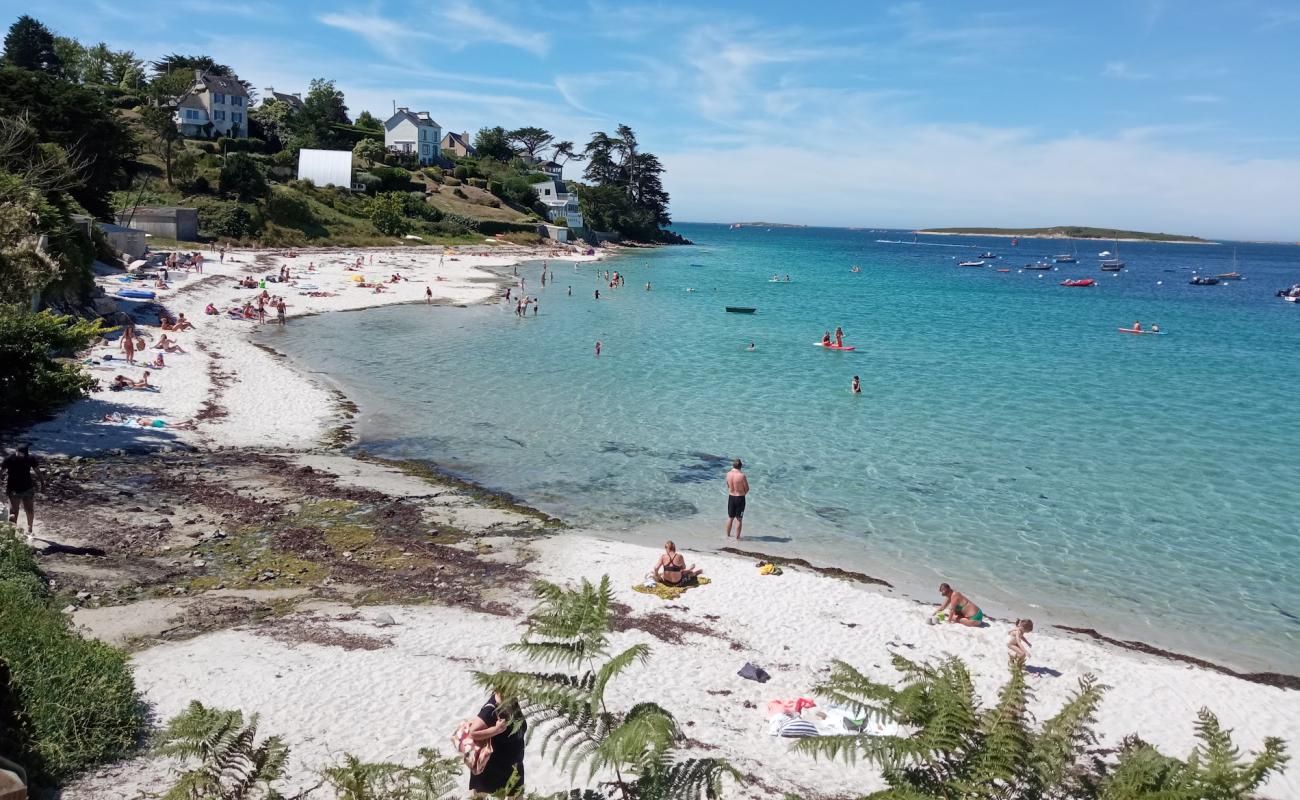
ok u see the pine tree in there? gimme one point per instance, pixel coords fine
(570, 631)
(30, 45)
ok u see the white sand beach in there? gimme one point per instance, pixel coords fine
(411, 688)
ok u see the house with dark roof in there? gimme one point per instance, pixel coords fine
(552, 168)
(215, 105)
(560, 201)
(414, 132)
(294, 101)
(457, 144)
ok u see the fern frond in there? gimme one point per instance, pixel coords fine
(1004, 752)
(636, 654)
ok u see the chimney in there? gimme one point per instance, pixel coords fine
(198, 76)
(464, 136)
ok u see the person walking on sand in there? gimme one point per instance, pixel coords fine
(428, 296)
(737, 489)
(22, 474)
(128, 344)
(279, 311)
(959, 608)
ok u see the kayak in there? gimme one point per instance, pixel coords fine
(1079, 282)
(1146, 333)
(137, 294)
(740, 310)
(843, 347)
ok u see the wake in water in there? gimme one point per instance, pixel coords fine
(928, 244)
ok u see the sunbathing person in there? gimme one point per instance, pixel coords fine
(123, 382)
(169, 345)
(166, 323)
(959, 608)
(672, 570)
(211, 310)
(183, 324)
(158, 362)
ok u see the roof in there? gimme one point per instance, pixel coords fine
(550, 164)
(416, 118)
(207, 82)
(457, 138)
(294, 101)
(157, 211)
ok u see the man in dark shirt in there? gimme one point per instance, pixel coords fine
(21, 473)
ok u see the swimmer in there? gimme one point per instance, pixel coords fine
(857, 385)
(751, 347)
(597, 348)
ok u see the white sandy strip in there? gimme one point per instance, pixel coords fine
(268, 403)
(387, 703)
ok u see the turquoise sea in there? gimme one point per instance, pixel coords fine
(1008, 439)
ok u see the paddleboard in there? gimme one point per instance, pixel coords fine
(137, 294)
(1148, 333)
(833, 346)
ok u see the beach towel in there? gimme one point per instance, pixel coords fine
(754, 672)
(666, 592)
(795, 728)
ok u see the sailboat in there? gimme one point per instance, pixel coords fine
(1068, 258)
(1234, 275)
(1113, 264)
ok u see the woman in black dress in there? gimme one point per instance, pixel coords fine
(503, 723)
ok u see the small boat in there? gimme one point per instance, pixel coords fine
(1003, 269)
(1291, 295)
(1112, 265)
(989, 255)
(1079, 282)
(1229, 276)
(1104, 254)
(1203, 280)
(1141, 332)
(740, 310)
(1068, 258)
(1038, 265)
(971, 264)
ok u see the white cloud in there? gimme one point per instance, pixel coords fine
(1201, 98)
(916, 175)
(384, 35)
(470, 24)
(1122, 70)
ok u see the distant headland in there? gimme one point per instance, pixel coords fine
(765, 225)
(1069, 232)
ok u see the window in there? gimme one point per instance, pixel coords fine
(218, 97)
(191, 114)
(218, 115)
(237, 118)
(236, 100)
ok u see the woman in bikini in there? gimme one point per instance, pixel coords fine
(672, 569)
(960, 608)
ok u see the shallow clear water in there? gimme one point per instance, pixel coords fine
(1008, 438)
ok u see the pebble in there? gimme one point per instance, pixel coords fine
(200, 564)
(69, 609)
(383, 619)
(83, 595)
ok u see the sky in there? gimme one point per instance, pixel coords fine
(1166, 115)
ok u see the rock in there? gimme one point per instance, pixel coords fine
(200, 564)
(69, 609)
(164, 510)
(82, 595)
(383, 619)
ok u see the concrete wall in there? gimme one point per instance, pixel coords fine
(130, 241)
(181, 224)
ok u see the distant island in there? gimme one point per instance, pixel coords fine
(765, 225)
(1068, 232)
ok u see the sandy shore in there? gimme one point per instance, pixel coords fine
(260, 577)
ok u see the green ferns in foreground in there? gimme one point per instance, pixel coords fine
(958, 750)
(570, 629)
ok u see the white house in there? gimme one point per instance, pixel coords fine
(216, 105)
(559, 201)
(414, 132)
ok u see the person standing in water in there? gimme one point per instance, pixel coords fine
(597, 348)
(428, 295)
(857, 385)
(570, 291)
(737, 489)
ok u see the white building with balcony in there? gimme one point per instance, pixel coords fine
(559, 202)
(216, 105)
(414, 132)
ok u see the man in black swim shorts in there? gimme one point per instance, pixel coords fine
(737, 488)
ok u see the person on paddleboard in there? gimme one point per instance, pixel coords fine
(826, 339)
(839, 336)
(1137, 326)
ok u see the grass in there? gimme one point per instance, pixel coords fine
(68, 703)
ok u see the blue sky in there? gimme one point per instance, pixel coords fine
(1174, 115)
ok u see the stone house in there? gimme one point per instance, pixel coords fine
(216, 105)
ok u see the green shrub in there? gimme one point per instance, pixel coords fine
(207, 147)
(459, 192)
(254, 145)
(435, 173)
(226, 220)
(388, 213)
(369, 180)
(461, 172)
(32, 381)
(495, 187)
(242, 177)
(128, 101)
(392, 179)
(287, 206)
(76, 703)
(478, 183)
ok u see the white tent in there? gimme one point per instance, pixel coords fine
(326, 167)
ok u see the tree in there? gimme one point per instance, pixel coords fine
(570, 630)
(369, 121)
(388, 213)
(616, 161)
(158, 120)
(30, 45)
(324, 104)
(530, 140)
(174, 62)
(232, 764)
(33, 379)
(274, 121)
(73, 58)
(77, 119)
(493, 143)
(566, 151)
(167, 86)
(242, 177)
(369, 150)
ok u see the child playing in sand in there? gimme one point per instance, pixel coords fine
(1017, 644)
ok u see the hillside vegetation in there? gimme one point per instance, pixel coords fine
(1068, 232)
